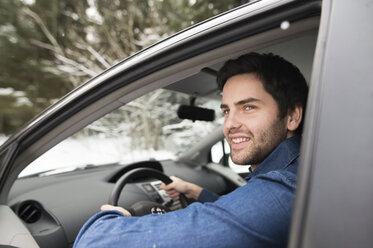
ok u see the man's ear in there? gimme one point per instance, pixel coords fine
(294, 118)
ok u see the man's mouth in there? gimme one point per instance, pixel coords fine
(239, 140)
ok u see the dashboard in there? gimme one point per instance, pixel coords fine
(55, 207)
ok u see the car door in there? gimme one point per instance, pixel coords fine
(96, 98)
(334, 192)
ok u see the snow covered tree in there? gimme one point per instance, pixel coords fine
(48, 47)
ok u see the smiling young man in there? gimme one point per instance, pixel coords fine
(263, 101)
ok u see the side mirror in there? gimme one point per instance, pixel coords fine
(195, 113)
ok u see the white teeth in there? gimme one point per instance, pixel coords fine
(239, 140)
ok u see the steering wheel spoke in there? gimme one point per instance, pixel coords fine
(143, 207)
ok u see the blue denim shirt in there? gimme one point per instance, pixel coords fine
(255, 215)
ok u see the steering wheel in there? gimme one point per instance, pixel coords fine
(143, 207)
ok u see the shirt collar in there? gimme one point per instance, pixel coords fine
(280, 158)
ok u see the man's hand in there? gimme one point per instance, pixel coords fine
(110, 207)
(178, 186)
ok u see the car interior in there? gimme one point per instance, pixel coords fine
(59, 184)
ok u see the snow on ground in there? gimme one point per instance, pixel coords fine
(2, 139)
(73, 153)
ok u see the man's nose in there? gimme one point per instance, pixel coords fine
(232, 121)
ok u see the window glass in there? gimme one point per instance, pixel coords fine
(147, 128)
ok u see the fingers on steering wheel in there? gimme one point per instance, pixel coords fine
(120, 209)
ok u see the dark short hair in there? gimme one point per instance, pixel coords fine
(280, 78)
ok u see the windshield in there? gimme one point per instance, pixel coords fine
(146, 128)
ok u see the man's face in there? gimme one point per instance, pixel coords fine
(252, 126)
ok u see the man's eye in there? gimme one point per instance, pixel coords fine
(225, 111)
(249, 107)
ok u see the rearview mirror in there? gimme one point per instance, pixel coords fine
(195, 113)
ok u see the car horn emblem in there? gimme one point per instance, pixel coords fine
(157, 210)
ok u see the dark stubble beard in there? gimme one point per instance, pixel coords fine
(264, 144)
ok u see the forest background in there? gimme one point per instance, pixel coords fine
(49, 47)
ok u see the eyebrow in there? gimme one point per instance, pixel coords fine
(241, 102)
